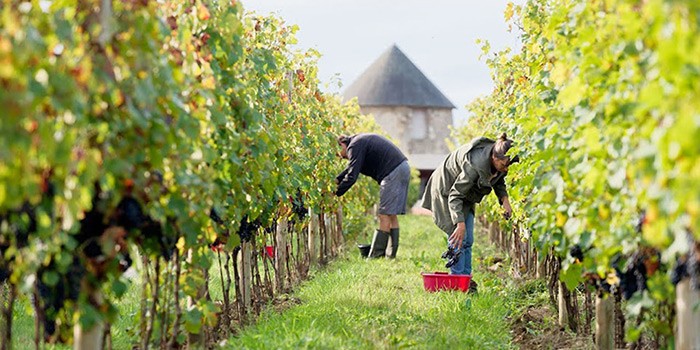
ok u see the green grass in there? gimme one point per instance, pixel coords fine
(23, 322)
(358, 304)
(381, 304)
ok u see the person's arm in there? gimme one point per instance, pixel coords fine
(499, 190)
(352, 172)
(340, 177)
(457, 196)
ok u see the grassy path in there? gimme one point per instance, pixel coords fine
(381, 304)
(359, 304)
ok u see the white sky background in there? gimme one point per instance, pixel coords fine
(439, 36)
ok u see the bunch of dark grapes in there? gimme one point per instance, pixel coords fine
(221, 239)
(154, 238)
(92, 226)
(643, 263)
(452, 255)
(247, 229)
(601, 284)
(4, 271)
(214, 216)
(130, 216)
(633, 276)
(21, 224)
(55, 295)
(576, 252)
(298, 206)
(688, 266)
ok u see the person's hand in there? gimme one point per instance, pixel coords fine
(507, 210)
(456, 238)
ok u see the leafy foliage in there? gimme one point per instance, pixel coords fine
(145, 116)
(604, 98)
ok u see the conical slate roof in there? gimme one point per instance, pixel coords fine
(393, 80)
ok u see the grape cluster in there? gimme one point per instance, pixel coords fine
(154, 238)
(633, 276)
(631, 271)
(56, 295)
(452, 255)
(92, 226)
(247, 229)
(16, 226)
(576, 252)
(298, 206)
(688, 266)
(4, 272)
(214, 216)
(20, 224)
(130, 216)
(221, 239)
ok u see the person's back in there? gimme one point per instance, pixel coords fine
(381, 155)
(475, 153)
(371, 155)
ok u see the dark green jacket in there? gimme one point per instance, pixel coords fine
(463, 179)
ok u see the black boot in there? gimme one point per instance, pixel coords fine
(394, 242)
(379, 242)
(473, 288)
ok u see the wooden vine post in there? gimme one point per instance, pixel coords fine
(328, 236)
(313, 233)
(541, 269)
(282, 223)
(339, 225)
(322, 237)
(281, 255)
(246, 273)
(332, 230)
(605, 322)
(89, 338)
(563, 310)
(687, 316)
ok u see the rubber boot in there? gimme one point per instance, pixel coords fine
(379, 242)
(473, 287)
(394, 242)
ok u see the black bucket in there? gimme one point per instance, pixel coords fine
(364, 249)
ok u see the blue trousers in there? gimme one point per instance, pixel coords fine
(464, 264)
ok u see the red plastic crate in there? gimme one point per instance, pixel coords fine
(437, 281)
(270, 250)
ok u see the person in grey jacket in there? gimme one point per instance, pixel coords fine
(375, 156)
(455, 187)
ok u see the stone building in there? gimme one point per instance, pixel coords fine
(408, 107)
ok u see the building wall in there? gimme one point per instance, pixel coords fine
(418, 130)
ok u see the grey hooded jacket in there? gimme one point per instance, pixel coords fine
(463, 179)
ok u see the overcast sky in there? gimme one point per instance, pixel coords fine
(439, 36)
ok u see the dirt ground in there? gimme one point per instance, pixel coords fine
(537, 328)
